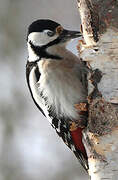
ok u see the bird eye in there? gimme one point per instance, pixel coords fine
(50, 33)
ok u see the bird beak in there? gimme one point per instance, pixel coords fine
(67, 35)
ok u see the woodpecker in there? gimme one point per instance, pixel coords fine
(55, 79)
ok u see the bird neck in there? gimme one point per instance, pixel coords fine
(57, 50)
(47, 52)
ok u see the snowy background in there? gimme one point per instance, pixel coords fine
(29, 147)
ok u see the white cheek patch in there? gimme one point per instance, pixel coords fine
(40, 38)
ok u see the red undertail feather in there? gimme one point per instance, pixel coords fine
(77, 139)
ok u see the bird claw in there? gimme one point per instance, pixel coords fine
(81, 107)
(73, 126)
(83, 114)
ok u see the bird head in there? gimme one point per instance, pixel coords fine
(45, 33)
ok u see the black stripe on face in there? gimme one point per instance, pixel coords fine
(40, 51)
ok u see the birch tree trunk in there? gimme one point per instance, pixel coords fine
(99, 49)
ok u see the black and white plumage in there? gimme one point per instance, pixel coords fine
(54, 77)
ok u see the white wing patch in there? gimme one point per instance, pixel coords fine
(36, 94)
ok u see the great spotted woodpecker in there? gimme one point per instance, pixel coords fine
(54, 76)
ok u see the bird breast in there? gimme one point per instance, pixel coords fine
(61, 86)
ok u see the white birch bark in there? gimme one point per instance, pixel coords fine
(99, 49)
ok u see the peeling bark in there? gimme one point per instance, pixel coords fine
(99, 49)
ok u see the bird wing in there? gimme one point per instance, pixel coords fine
(29, 67)
(72, 138)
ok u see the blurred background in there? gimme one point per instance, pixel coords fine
(29, 147)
